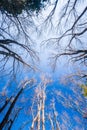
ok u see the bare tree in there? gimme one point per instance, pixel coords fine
(72, 31)
(43, 107)
(16, 25)
(39, 119)
(46, 116)
(10, 105)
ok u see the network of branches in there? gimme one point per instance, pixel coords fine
(71, 26)
(16, 24)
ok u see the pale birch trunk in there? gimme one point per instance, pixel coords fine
(39, 112)
(33, 122)
(43, 105)
(55, 116)
(51, 122)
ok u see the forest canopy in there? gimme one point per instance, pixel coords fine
(15, 7)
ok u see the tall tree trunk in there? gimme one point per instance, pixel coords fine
(43, 105)
(4, 121)
(51, 122)
(39, 113)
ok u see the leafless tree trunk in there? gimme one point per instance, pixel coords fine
(51, 122)
(12, 101)
(43, 113)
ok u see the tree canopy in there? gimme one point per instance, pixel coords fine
(15, 7)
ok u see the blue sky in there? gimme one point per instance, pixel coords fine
(68, 116)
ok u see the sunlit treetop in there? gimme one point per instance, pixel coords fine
(15, 7)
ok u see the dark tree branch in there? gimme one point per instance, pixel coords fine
(5, 104)
(6, 117)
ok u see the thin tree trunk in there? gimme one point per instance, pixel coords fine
(4, 121)
(56, 121)
(51, 122)
(33, 122)
(39, 112)
(43, 115)
(37, 117)
(6, 103)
